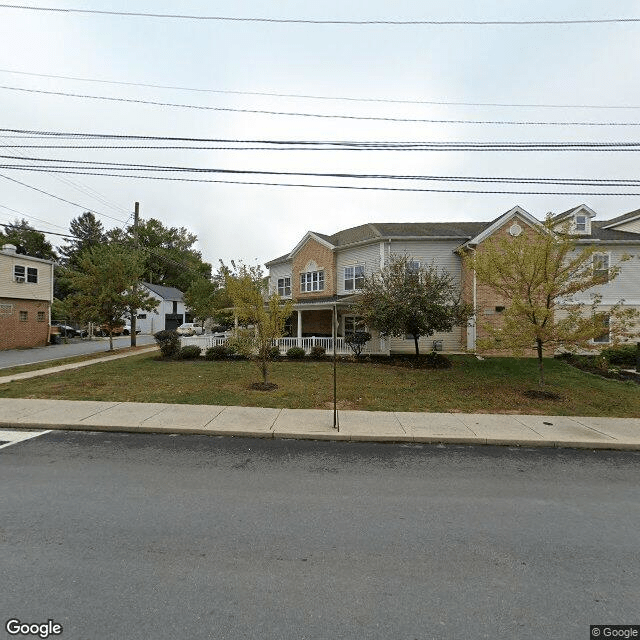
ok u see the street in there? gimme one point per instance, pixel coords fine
(74, 347)
(116, 535)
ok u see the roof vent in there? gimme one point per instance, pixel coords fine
(9, 248)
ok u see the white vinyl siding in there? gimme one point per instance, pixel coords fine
(367, 256)
(37, 274)
(625, 284)
(278, 272)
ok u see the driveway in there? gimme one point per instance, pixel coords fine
(74, 347)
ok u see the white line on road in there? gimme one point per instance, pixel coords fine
(13, 437)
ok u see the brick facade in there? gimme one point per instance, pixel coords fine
(18, 332)
(488, 300)
(313, 252)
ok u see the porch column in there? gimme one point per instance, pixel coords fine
(299, 328)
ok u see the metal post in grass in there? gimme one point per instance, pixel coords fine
(334, 327)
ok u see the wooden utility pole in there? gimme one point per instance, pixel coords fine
(134, 312)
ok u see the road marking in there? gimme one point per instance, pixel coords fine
(10, 437)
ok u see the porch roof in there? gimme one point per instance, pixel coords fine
(324, 303)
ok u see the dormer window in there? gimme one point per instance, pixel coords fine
(581, 224)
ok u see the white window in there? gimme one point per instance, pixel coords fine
(605, 336)
(25, 274)
(19, 273)
(284, 286)
(581, 224)
(353, 277)
(413, 266)
(312, 281)
(601, 265)
(353, 324)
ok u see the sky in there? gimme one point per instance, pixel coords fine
(224, 64)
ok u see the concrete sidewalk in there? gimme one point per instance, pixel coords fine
(73, 365)
(316, 424)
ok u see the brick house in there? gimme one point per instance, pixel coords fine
(26, 293)
(323, 272)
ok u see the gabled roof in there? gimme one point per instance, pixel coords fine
(498, 222)
(565, 214)
(602, 231)
(627, 217)
(166, 293)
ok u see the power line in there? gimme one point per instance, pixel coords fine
(340, 144)
(95, 166)
(300, 114)
(51, 233)
(139, 14)
(86, 190)
(75, 204)
(332, 186)
(27, 215)
(304, 96)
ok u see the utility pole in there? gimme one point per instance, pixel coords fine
(134, 312)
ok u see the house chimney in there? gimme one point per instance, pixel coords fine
(9, 248)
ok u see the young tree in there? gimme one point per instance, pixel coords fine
(201, 299)
(403, 298)
(539, 274)
(247, 289)
(103, 286)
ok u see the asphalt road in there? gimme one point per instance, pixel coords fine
(74, 347)
(154, 536)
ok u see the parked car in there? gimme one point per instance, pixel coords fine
(126, 330)
(103, 330)
(190, 329)
(67, 331)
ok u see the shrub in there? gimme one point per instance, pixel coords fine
(317, 352)
(621, 356)
(190, 351)
(274, 353)
(356, 341)
(169, 343)
(435, 360)
(295, 353)
(219, 352)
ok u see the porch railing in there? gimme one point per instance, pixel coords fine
(375, 345)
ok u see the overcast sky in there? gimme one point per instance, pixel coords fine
(588, 65)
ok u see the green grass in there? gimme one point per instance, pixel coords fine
(493, 385)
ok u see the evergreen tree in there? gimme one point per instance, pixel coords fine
(27, 240)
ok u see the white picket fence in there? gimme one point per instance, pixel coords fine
(375, 345)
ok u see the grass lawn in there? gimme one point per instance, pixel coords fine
(493, 385)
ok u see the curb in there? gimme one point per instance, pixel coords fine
(337, 437)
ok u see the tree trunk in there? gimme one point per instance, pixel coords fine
(265, 372)
(540, 365)
(415, 340)
(110, 339)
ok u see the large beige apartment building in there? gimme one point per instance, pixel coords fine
(322, 272)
